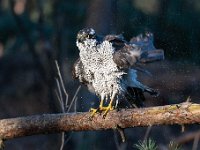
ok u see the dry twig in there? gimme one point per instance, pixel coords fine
(187, 137)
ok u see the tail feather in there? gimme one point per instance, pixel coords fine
(135, 97)
(152, 91)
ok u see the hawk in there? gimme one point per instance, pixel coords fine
(108, 67)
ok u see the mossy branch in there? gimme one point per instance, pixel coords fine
(183, 113)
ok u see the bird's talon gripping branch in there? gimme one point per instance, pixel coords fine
(93, 111)
(108, 108)
(101, 109)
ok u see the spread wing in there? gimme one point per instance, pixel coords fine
(117, 41)
(126, 55)
(149, 52)
(139, 49)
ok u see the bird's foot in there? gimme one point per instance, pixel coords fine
(107, 109)
(101, 109)
(93, 111)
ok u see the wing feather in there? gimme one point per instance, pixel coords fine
(126, 55)
(78, 72)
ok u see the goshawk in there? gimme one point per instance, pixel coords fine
(108, 67)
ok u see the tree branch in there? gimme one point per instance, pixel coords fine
(184, 113)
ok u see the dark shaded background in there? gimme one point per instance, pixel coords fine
(34, 33)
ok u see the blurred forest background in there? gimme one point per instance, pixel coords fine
(35, 33)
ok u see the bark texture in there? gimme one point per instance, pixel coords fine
(184, 113)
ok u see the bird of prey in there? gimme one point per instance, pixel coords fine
(107, 67)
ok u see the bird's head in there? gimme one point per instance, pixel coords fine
(86, 33)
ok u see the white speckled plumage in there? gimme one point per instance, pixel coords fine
(101, 70)
(106, 67)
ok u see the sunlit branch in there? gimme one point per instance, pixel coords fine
(184, 113)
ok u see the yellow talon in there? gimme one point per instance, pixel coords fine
(93, 111)
(102, 109)
(107, 109)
